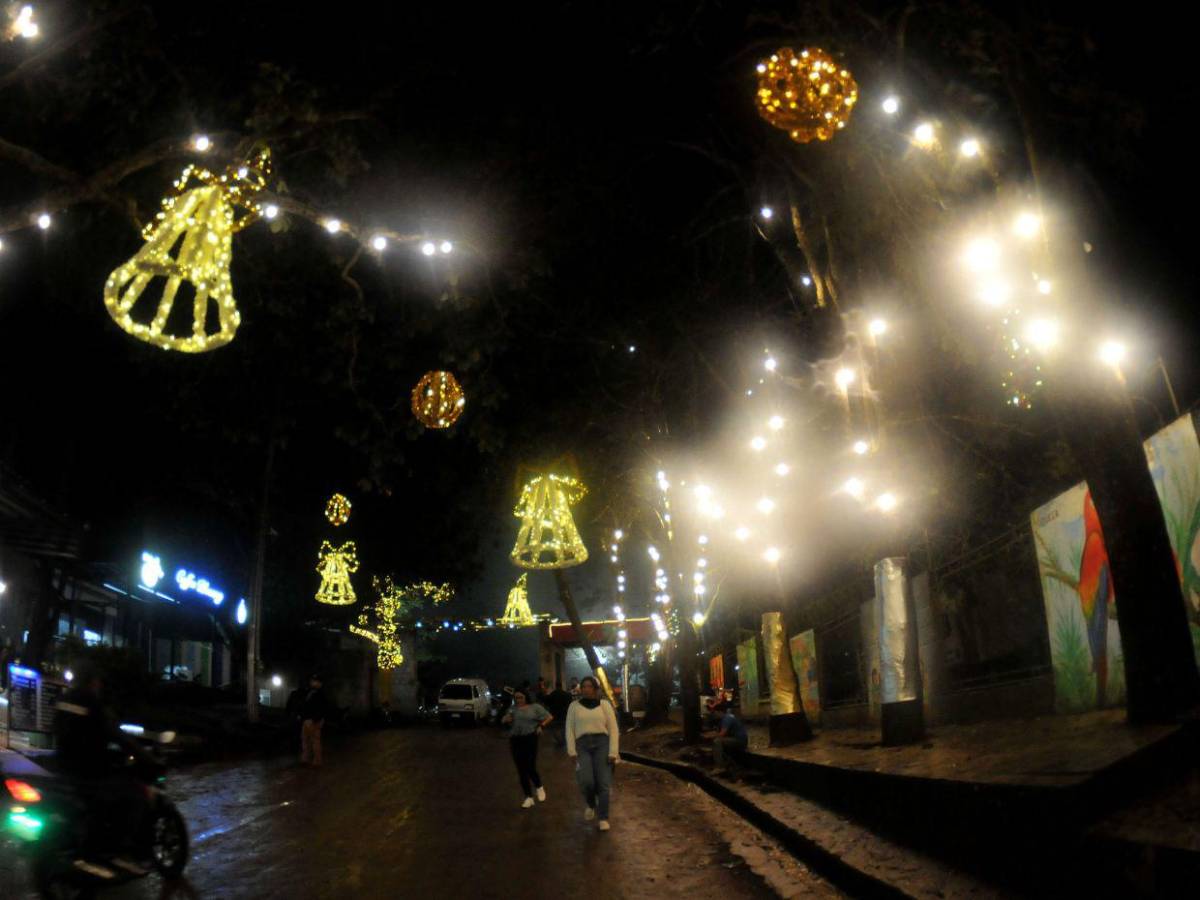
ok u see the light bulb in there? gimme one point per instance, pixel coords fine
(333, 226)
(769, 364)
(861, 447)
(782, 469)
(618, 534)
(886, 502)
(969, 148)
(1112, 353)
(379, 242)
(1043, 286)
(270, 211)
(775, 423)
(758, 443)
(698, 618)
(43, 221)
(445, 246)
(877, 327)
(923, 135)
(1027, 225)
(201, 142)
(843, 378)
(854, 487)
(428, 248)
(741, 532)
(765, 505)
(891, 105)
(277, 681)
(995, 293)
(772, 555)
(981, 255)
(766, 212)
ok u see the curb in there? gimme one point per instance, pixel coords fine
(828, 865)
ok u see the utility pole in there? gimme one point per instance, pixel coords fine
(568, 602)
(256, 587)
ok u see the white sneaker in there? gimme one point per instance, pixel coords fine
(589, 814)
(528, 803)
(541, 795)
(604, 825)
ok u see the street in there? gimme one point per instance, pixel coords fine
(426, 812)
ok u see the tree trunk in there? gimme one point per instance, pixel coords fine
(1161, 679)
(256, 589)
(568, 602)
(689, 689)
(658, 696)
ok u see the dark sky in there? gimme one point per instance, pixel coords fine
(558, 141)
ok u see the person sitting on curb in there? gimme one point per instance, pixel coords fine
(730, 735)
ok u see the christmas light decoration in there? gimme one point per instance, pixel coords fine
(548, 538)
(891, 105)
(190, 242)
(924, 136)
(335, 566)
(969, 148)
(382, 621)
(808, 94)
(337, 510)
(437, 400)
(517, 611)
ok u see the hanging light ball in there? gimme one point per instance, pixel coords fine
(806, 94)
(337, 510)
(437, 400)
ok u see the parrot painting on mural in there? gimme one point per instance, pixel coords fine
(1095, 594)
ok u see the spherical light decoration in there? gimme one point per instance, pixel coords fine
(337, 510)
(437, 400)
(806, 94)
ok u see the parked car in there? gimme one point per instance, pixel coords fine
(464, 700)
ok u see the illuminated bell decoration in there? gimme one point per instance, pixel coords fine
(808, 94)
(189, 243)
(337, 510)
(336, 565)
(517, 611)
(548, 538)
(437, 400)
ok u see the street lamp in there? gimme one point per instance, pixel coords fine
(276, 681)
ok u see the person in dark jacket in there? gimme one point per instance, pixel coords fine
(313, 710)
(558, 702)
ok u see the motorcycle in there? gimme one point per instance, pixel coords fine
(48, 821)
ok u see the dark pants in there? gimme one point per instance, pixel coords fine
(115, 804)
(722, 755)
(524, 752)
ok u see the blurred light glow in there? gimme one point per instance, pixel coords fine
(1043, 286)
(758, 442)
(806, 281)
(1112, 353)
(765, 505)
(270, 211)
(653, 551)
(782, 469)
(891, 105)
(769, 364)
(379, 242)
(766, 212)
(995, 292)
(854, 487)
(923, 135)
(741, 532)
(428, 248)
(981, 255)
(702, 540)
(969, 148)
(277, 681)
(886, 502)
(333, 226)
(1027, 225)
(1043, 333)
(772, 555)
(877, 327)
(844, 377)
(698, 618)
(43, 221)
(69, 675)
(861, 447)
(446, 246)
(702, 491)
(775, 423)
(201, 143)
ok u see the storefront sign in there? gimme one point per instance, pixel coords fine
(152, 573)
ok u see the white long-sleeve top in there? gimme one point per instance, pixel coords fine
(601, 720)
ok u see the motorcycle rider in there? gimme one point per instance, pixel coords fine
(84, 727)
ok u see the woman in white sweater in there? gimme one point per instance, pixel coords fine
(593, 742)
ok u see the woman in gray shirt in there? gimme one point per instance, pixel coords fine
(528, 720)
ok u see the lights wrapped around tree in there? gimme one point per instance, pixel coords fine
(336, 565)
(548, 538)
(337, 510)
(806, 94)
(517, 611)
(382, 622)
(190, 243)
(437, 400)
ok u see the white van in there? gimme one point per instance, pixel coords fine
(464, 700)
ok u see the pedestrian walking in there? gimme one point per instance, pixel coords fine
(559, 702)
(528, 720)
(574, 688)
(313, 710)
(593, 741)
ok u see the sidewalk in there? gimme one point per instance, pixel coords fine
(1008, 805)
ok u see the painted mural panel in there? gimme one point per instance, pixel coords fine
(803, 647)
(1174, 458)
(716, 674)
(1085, 643)
(747, 656)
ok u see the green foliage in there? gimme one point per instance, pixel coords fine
(1074, 682)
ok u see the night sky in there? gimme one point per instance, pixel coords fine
(596, 170)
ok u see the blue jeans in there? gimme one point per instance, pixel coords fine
(594, 772)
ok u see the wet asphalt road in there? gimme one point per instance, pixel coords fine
(426, 813)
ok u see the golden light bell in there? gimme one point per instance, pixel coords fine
(548, 538)
(190, 243)
(517, 611)
(336, 565)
